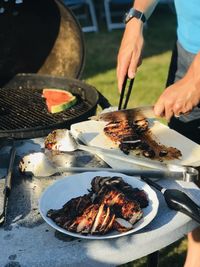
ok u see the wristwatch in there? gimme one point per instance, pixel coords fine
(133, 13)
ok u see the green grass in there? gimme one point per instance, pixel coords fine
(101, 54)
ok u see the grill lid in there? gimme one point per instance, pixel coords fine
(41, 37)
(23, 111)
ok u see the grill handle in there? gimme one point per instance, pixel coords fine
(103, 101)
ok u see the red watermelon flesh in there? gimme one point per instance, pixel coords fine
(58, 100)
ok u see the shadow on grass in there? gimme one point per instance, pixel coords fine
(102, 47)
(173, 255)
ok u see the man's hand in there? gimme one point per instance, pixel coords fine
(182, 96)
(129, 56)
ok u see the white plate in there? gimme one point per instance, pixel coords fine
(56, 195)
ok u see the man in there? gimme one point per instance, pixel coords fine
(182, 94)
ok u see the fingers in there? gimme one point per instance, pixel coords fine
(163, 108)
(128, 65)
(133, 65)
(168, 114)
(159, 109)
(130, 52)
(168, 108)
(121, 74)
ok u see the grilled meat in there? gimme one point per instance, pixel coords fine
(122, 206)
(131, 211)
(108, 206)
(84, 222)
(102, 184)
(70, 210)
(122, 225)
(122, 130)
(104, 220)
(137, 136)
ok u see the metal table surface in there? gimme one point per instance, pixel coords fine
(26, 240)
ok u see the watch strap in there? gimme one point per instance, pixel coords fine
(134, 13)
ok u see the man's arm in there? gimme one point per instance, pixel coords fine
(129, 56)
(182, 96)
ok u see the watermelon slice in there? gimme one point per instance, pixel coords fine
(58, 100)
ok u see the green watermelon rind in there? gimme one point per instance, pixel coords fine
(63, 106)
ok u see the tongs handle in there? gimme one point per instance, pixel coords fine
(7, 187)
(10, 169)
(123, 92)
(179, 201)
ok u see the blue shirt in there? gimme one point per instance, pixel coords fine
(188, 31)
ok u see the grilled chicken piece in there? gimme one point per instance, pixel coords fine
(117, 131)
(94, 220)
(84, 222)
(123, 207)
(104, 220)
(140, 138)
(122, 225)
(123, 131)
(70, 210)
(100, 185)
(131, 211)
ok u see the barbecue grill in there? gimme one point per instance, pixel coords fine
(43, 48)
(23, 111)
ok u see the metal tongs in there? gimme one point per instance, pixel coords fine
(130, 86)
(177, 200)
(7, 187)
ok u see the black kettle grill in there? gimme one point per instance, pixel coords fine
(42, 46)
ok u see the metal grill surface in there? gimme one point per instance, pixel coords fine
(23, 111)
(20, 108)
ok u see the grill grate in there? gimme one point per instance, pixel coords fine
(27, 109)
(22, 108)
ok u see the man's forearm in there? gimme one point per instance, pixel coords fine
(145, 6)
(195, 69)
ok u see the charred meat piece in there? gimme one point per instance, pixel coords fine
(122, 225)
(136, 194)
(131, 211)
(111, 204)
(117, 131)
(94, 220)
(102, 185)
(83, 223)
(70, 210)
(98, 182)
(123, 207)
(136, 135)
(104, 220)
(123, 131)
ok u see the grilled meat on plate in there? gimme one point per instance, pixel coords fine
(111, 204)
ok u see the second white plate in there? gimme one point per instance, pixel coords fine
(56, 195)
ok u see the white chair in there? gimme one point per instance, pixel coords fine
(110, 13)
(88, 7)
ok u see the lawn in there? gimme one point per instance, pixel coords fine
(99, 71)
(101, 54)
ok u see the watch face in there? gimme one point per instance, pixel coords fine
(128, 15)
(133, 13)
